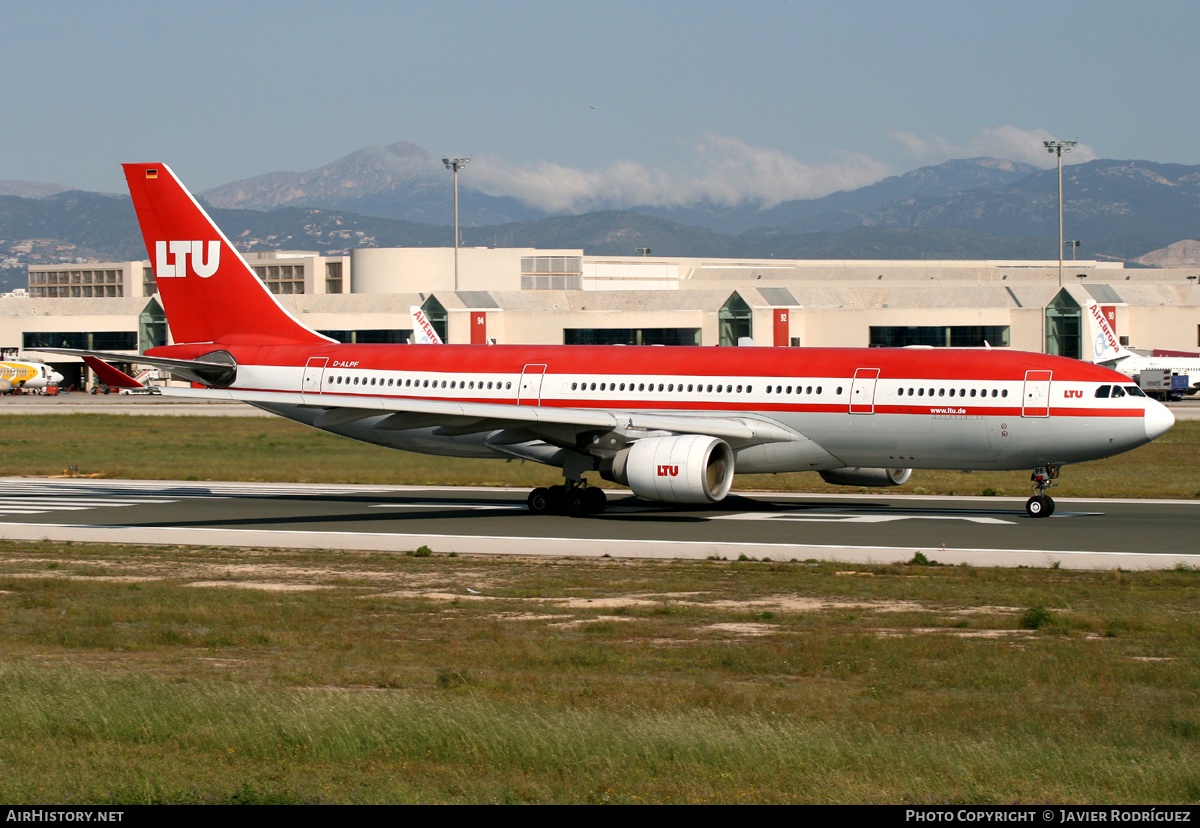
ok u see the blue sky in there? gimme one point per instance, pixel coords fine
(568, 104)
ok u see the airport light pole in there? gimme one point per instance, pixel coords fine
(1074, 245)
(1058, 148)
(457, 164)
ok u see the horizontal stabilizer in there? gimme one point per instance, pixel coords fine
(213, 371)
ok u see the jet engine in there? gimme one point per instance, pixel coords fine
(859, 476)
(691, 468)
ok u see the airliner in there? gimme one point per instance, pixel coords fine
(15, 374)
(1111, 353)
(672, 424)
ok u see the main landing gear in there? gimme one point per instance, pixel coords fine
(1041, 505)
(573, 499)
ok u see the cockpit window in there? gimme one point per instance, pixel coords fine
(1103, 391)
(1117, 392)
(1134, 391)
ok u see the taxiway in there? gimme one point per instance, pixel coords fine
(1087, 534)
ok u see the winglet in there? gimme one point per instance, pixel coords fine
(109, 375)
(209, 293)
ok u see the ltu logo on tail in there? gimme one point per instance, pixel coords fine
(165, 268)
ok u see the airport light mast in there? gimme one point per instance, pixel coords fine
(1058, 148)
(457, 164)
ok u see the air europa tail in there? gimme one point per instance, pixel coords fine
(1105, 345)
(208, 291)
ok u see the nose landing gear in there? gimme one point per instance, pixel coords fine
(1041, 505)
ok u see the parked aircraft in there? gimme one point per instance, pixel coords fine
(671, 423)
(1112, 354)
(15, 374)
(423, 332)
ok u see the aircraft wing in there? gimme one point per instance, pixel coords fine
(566, 427)
(561, 426)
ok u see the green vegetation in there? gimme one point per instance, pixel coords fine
(142, 675)
(220, 448)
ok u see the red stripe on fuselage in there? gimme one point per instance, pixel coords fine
(621, 362)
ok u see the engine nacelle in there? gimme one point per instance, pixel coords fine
(691, 468)
(858, 476)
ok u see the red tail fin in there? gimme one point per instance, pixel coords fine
(208, 291)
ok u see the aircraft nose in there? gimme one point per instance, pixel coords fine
(1158, 419)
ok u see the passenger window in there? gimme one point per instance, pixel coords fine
(1103, 391)
(920, 392)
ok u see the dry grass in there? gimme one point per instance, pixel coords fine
(136, 675)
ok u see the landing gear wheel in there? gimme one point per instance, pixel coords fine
(1039, 506)
(539, 500)
(596, 500)
(577, 502)
(558, 500)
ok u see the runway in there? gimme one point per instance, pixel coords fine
(852, 528)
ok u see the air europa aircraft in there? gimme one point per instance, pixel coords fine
(1112, 354)
(671, 423)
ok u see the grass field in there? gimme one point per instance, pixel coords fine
(135, 675)
(176, 675)
(218, 448)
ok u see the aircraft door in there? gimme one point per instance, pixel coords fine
(529, 392)
(1035, 398)
(862, 391)
(313, 376)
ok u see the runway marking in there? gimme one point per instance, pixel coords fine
(831, 518)
(473, 506)
(34, 505)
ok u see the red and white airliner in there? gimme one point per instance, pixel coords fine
(671, 423)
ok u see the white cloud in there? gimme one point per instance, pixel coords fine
(1007, 142)
(723, 171)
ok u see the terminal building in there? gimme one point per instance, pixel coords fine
(532, 296)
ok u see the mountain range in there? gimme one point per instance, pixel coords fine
(400, 195)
